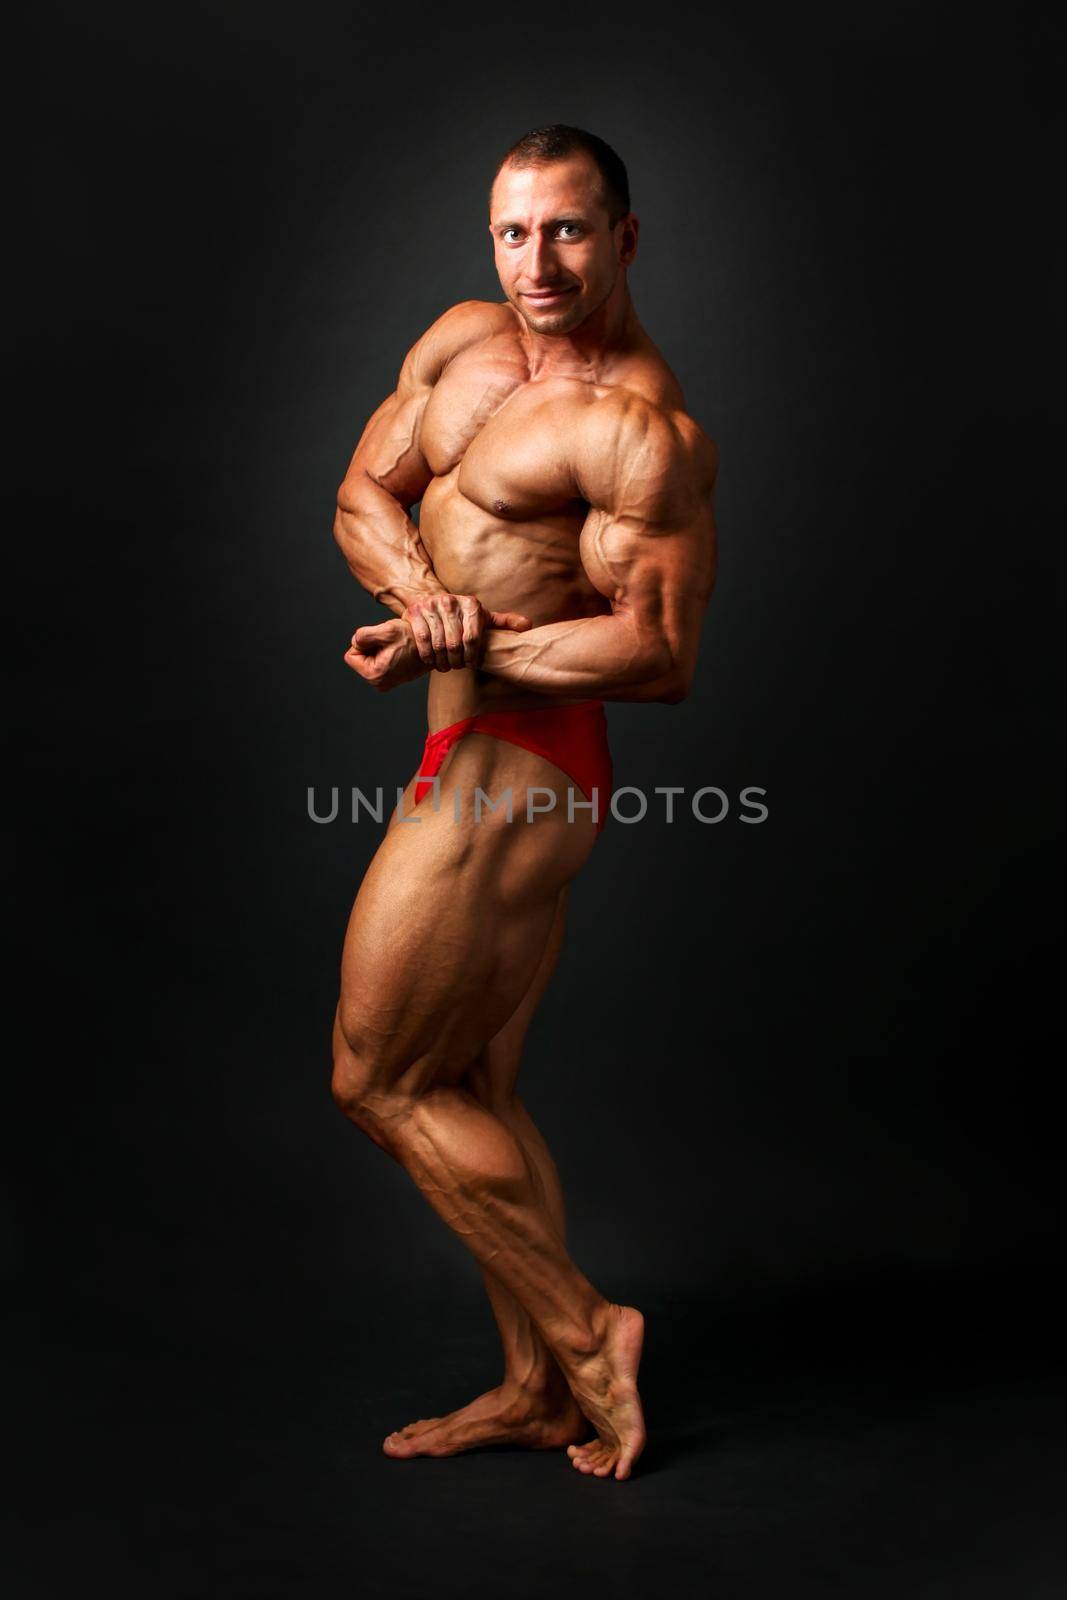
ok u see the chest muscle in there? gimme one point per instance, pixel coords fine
(504, 436)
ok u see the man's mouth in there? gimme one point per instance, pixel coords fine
(548, 297)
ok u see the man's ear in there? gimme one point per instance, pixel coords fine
(631, 228)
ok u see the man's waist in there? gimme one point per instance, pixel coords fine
(464, 692)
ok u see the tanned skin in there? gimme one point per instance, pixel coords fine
(565, 551)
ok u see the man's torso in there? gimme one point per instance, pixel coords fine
(502, 516)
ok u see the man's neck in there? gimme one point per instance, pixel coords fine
(607, 332)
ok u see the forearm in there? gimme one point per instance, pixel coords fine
(608, 657)
(382, 546)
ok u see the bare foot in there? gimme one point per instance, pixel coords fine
(605, 1386)
(501, 1416)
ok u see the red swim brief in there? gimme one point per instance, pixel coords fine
(573, 738)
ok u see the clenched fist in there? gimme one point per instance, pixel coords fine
(449, 629)
(385, 655)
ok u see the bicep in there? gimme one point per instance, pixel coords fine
(657, 574)
(389, 452)
(649, 481)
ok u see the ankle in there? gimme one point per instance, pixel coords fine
(542, 1384)
(583, 1341)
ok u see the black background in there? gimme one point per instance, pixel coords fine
(798, 1076)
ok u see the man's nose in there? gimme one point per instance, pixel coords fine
(541, 264)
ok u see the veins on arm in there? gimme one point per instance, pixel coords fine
(387, 475)
(649, 543)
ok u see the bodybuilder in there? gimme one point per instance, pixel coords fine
(564, 555)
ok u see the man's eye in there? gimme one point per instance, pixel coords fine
(504, 235)
(575, 227)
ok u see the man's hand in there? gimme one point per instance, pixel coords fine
(449, 629)
(385, 655)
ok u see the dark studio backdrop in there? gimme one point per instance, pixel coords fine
(799, 1072)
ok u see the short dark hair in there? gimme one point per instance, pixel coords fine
(557, 141)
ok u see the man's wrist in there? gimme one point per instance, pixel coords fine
(399, 596)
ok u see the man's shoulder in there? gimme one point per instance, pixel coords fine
(645, 418)
(470, 320)
(468, 323)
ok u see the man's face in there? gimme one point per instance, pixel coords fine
(556, 254)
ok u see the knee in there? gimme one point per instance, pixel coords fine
(356, 1078)
(347, 1085)
(490, 1087)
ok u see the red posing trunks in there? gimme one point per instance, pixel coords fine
(573, 738)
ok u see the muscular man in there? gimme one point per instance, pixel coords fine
(564, 555)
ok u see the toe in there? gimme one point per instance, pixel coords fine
(417, 1427)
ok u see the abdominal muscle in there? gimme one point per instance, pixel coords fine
(529, 567)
